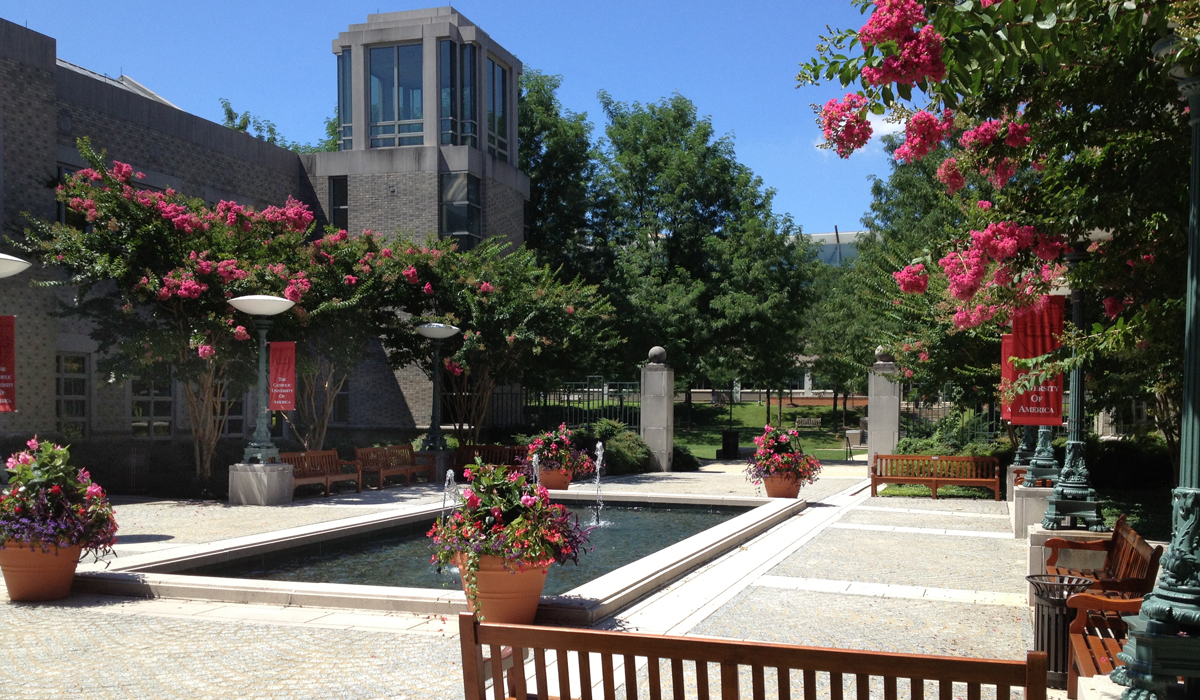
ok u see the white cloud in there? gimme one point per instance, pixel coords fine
(882, 127)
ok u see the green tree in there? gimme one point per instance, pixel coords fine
(265, 130)
(556, 154)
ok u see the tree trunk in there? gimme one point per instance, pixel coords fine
(687, 401)
(845, 398)
(834, 403)
(208, 409)
(780, 414)
(768, 404)
(1167, 418)
(318, 393)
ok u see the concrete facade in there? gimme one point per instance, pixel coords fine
(46, 104)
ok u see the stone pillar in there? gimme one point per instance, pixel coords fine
(808, 382)
(883, 406)
(658, 408)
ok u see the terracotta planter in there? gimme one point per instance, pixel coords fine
(31, 574)
(503, 595)
(554, 479)
(785, 486)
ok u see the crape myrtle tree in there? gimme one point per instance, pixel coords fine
(701, 266)
(521, 324)
(154, 272)
(1063, 109)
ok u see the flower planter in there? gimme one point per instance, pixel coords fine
(785, 486)
(504, 595)
(554, 479)
(32, 575)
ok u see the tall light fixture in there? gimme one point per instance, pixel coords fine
(436, 332)
(10, 265)
(262, 307)
(1164, 637)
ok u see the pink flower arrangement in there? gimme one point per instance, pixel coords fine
(779, 453)
(555, 451)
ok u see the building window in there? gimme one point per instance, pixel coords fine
(339, 203)
(497, 109)
(71, 395)
(396, 96)
(461, 218)
(345, 101)
(469, 127)
(152, 408)
(447, 93)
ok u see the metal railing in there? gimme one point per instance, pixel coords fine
(583, 403)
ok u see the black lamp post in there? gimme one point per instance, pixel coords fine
(262, 307)
(436, 332)
(1164, 638)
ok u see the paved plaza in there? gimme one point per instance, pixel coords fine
(891, 574)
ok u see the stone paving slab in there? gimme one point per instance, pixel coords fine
(48, 651)
(880, 624)
(924, 520)
(710, 483)
(962, 505)
(938, 561)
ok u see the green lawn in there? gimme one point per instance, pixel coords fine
(708, 421)
(951, 491)
(1146, 510)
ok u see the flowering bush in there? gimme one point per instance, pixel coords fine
(779, 454)
(555, 451)
(503, 513)
(49, 504)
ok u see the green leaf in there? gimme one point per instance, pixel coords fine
(905, 91)
(1049, 22)
(964, 6)
(877, 108)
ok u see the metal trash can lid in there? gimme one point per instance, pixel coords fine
(1056, 587)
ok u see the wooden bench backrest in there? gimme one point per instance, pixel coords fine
(301, 466)
(1131, 556)
(375, 457)
(403, 455)
(935, 465)
(490, 454)
(620, 650)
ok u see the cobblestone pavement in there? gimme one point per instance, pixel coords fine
(713, 484)
(943, 521)
(959, 505)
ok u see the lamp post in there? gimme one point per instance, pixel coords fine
(436, 332)
(10, 265)
(262, 307)
(1164, 637)
(1074, 504)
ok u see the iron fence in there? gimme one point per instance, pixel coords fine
(583, 403)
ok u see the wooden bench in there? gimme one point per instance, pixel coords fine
(1097, 635)
(321, 467)
(382, 462)
(808, 423)
(599, 661)
(490, 454)
(1130, 565)
(936, 471)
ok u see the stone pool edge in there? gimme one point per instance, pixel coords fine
(149, 575)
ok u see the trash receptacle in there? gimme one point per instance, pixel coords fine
(729, 444)
(1052, 621)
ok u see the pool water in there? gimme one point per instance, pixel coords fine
(624, 535)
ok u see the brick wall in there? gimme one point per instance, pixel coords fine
(387, 203)
(503, 212)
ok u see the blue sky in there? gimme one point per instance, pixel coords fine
(736, 61)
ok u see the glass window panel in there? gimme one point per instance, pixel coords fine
(72, 431)
(454, 218)
(74, 386)
(383, 95)
(162, 409)
(345, 88)
(411, 141)
(142, 387)
(382, 143)
(408, 80)
(339, 191)
(73, 364)
(454, 187)
(74, 409)
(161, 429)
(489, 78)
(233, 426)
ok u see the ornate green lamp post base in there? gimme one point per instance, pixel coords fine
(1042, 466)
(1074, 504)
(1027, 447)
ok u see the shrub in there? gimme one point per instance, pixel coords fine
(627, 453)
(923, 446)
(682, 460)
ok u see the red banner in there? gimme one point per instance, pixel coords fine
(1008, 373)
(283, 377)
(8, 364)
(1036, 334)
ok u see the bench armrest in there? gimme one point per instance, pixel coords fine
(1083, 602)
(356, 463)
(422, 460)
(1056, 543)
(1123, 585)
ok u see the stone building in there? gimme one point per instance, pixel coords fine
(427, 106)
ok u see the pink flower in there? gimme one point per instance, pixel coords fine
(1018, 135)
(912, 279)
(240, 333)
(528, 500)
(386, 252)
(919, 59)
(984, 204)
(892, 20)
(923, 357)
(94, 491)
(845, 124)
(570, 309)
(922, 134)
(206, 351)
(981, 136)
(1113, 307)
(33, 444)
(486, 287)
(473, 501)
(351, 280)
(950, 176)
(410, 274)
(428, 288)
(467, 474)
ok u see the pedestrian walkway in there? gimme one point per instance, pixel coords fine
(908, 575)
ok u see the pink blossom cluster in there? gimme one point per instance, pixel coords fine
(122, 172)
(922, 134)
(453, 367)
(206, 351)
(919, 58)
(229, 213)
(229, 271)
(967, 317)
(1114, 306)
(950, 175)
(181, 284)
(410, 274)
(982, 135)
(964, 271)
(240, 333)
(351, 280)
(1003, 240)
(486, 287)
(428, 288)
(913, 279)
(845, 124)
(999, 173)
(294, 215)
(892, 20)
(1018, 135)
(297, 287)
(86, 206)
(278, 269)
(179, 215)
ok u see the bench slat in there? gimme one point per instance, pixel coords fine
(810, 684)
(564, 673)
(916, 689)
(539, 671)
(585, 675)
(608, 678)
(784, 683)
(862, 687)
(653, 664)
(677, 679)
(729, 682)
(758, 683)
(701, 680)
(631, 691)
(889, 688)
